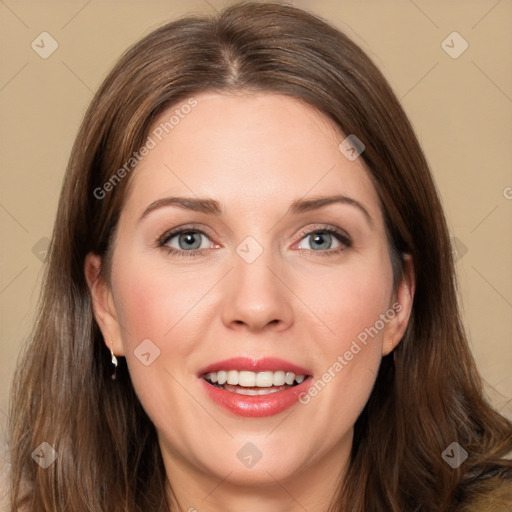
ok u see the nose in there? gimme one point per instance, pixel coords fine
(257, 296)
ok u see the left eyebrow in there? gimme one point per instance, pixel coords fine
(306, 205)
(213, 207)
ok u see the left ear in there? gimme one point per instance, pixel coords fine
(402, 306)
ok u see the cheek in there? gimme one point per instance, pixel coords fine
(150, 302)
(154, 305)
(351, 351)
(349, 300)
(354, 306)
(158, 302)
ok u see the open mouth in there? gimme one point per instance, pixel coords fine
(253, 383)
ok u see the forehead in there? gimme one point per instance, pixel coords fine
(249, 151)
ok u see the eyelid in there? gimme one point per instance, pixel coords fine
(170, 233)
(341, 236)
(325, 228)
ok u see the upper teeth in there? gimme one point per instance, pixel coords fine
(251, 379)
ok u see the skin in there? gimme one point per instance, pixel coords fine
(254, 153)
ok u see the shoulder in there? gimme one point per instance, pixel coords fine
(489, 495)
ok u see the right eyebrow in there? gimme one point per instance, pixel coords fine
(187, 203)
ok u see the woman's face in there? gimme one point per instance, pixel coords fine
(265, 279)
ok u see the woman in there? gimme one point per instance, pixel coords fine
(195, 349)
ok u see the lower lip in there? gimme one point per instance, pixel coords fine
(259, 405)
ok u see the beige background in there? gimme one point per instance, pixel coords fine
(461, 109)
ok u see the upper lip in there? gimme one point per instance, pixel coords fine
(265, 364)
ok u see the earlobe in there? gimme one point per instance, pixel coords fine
(402, 305)
(103, 304)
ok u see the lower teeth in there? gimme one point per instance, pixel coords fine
(253, 391)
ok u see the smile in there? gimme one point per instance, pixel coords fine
(251, 383)
(245, 391)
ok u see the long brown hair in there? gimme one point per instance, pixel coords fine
(428, 393)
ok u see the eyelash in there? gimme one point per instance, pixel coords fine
(339, 235)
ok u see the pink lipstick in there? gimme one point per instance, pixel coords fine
(255, 387)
